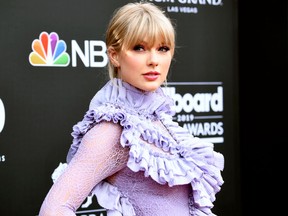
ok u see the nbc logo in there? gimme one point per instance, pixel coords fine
(48, 50)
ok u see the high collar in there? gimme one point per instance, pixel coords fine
(133, 100)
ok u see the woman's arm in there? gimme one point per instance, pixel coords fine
(99, 156)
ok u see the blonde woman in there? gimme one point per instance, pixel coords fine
(126, 150)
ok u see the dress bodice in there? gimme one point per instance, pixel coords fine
(166, 163)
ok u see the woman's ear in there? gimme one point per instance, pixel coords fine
(113, 56)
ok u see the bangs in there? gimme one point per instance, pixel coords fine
(151, 29)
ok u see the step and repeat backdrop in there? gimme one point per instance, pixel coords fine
(43, 94)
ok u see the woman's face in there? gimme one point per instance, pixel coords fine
(143, 66)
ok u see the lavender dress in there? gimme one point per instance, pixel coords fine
(155, 167)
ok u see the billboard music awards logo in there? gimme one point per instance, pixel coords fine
(50, 51)
(200, 112)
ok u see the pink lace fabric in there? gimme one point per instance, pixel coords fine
(129, 153)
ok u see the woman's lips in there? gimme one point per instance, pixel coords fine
(151, 76)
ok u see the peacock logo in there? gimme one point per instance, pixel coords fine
(49, 51)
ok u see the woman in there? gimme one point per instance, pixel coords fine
(127, 151)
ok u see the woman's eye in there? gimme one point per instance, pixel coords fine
(138, 48)
(164, 48)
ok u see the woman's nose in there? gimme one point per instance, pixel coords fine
(153, 58)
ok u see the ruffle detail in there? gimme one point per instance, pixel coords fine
(115, 102)
(195, 163)
(185, 160)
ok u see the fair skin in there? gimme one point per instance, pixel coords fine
(145, 67)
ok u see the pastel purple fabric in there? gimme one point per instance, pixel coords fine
(190, 160)
(168, 172)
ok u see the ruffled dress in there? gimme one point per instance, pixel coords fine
(168, 171)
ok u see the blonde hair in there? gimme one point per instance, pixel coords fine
(133, 22)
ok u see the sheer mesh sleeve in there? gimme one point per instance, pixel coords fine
(99, 155)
